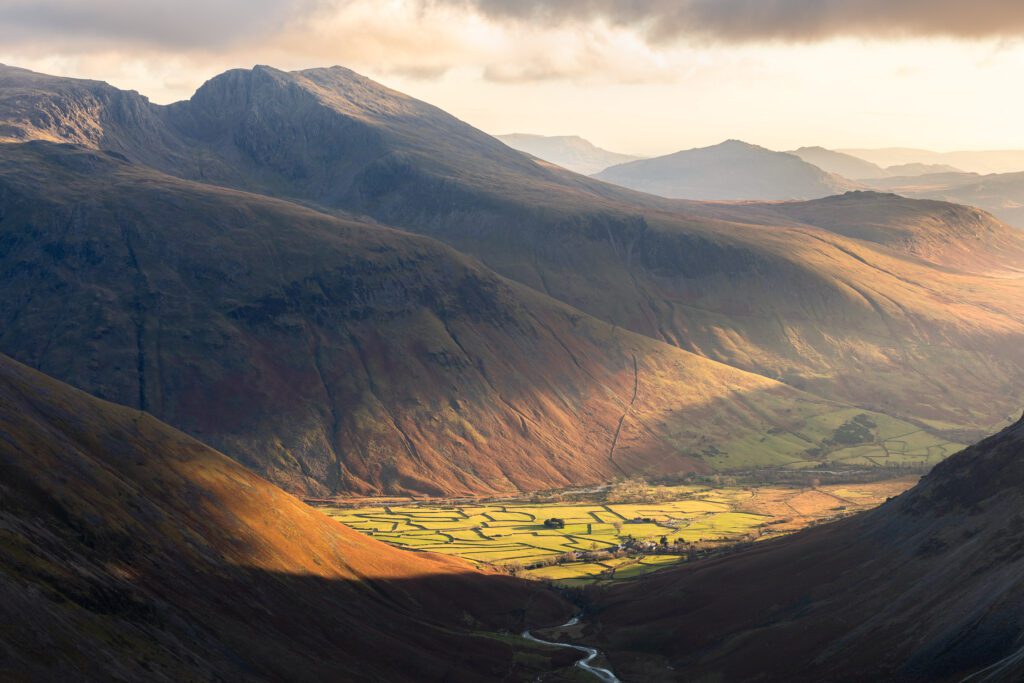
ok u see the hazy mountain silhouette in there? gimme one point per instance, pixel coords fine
(568, 151)
(730, 170)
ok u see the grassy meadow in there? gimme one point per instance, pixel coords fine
(691, 519)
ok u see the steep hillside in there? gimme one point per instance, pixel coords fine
(730, 170)
(848, 319)
(950, 235)
(568, 151)
(332, 355)
(926, 588)
(134, 552)
(841, 164)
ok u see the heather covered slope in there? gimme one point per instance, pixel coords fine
(335, 356)
(730, 170)
(926, 588)
(849, 319)
(134, 552)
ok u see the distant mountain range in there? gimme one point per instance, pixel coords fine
(994, 161)
(732, 170)
(570, 331)
(841, 164)
(1000, 193)
(568, 151)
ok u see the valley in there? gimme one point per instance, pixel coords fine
(305, 378)
(579, 542)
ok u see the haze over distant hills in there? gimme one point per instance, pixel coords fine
(1000, 193)
(568, 151)
(843, 314)
(917, 169)
(993, 161)
(728, 171)
(838, 163)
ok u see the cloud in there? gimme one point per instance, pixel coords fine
(180, 24)
(772, 20)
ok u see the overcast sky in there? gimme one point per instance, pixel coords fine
(642, 76)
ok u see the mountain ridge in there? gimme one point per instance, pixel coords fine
(132, 551)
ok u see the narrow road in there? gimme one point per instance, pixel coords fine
(603, 675)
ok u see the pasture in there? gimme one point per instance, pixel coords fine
(608, 541)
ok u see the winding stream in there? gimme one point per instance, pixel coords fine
(602, 674)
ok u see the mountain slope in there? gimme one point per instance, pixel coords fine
(1002, 194)
(926, 588)
(849, 319)
(133, 552)
(845, 165)
(568, 151)
(335, 356)
(948, 235)
(730, 170)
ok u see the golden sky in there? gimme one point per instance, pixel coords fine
(645, 76)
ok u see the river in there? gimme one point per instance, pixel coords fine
(602, 674)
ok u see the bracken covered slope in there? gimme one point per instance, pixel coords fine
(928, 587)
(134, 552)
(336, 356)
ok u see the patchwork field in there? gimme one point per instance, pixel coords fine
(610, 541)
(848, 437)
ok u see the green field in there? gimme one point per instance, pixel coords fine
(888, 442)
(513, 535)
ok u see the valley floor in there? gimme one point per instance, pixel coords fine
(609, 535)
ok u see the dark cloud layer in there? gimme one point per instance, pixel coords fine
(785, 20)
(176, 24)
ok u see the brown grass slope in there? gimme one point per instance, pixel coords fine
(134, 552)
(335, 356)
(849, 315)
(1000, 193)
(926, 588)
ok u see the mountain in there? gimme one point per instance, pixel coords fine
(845, 318)
(945, 234)
(1000, 193)
(134, 552)
(920, 169)
(338, 356)
(840, 164)
(730, 170)
(568, 151)
(993, 161)
(927, 587)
